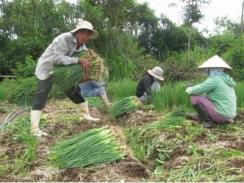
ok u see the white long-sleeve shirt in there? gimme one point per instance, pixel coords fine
(59, 52)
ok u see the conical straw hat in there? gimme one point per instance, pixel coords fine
(215, 62)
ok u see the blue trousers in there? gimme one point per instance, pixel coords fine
(92, 89)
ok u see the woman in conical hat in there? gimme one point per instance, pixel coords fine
(215, 98)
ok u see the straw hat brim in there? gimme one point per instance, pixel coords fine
(156, 76)
(94, 35)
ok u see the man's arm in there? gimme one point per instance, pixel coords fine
(61, 50)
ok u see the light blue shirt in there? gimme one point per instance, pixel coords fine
(59, 52)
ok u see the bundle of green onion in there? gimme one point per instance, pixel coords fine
(167, 123)
(90, 148)
(172, 120)
(67, 76)
(97, 71)
(124, 105)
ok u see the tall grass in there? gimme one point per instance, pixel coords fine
(240, 94)
(122, 88)
(3, 93)
(171, 95)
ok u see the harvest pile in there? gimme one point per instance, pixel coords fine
(93, 147)
(124, 105)
(67, 76)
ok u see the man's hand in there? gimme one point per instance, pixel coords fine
(86, 66)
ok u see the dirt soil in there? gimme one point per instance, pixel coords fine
(139, 117)
(128, 169)
(63, 121)
(2, 117)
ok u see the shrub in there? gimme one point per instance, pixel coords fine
(179, 67)
(25, 69)
(3, 93)
(22, 90)
(235, 55)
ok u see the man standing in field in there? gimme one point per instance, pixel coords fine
(60, 52)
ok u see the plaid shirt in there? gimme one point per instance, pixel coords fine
(59, 52)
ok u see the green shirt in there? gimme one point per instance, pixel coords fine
(220, 90)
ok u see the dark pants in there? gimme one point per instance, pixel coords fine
(43, 89)
(209, 109)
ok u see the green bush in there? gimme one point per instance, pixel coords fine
(22, 90)
(240, 94)
(235, 55)
(181, 66)
(25, 69)
(3, 93)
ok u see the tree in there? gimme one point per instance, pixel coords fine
(192, 14)
(28, 26)
(224, 25)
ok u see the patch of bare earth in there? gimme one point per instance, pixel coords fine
(128, 169)
(139, 117)
(2, 117)
(238, 145)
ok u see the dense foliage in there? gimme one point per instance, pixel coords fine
(127, 30)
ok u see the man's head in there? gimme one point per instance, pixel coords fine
(84, 31)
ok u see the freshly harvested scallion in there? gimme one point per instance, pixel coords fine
(98, 71)
(90, 148)
(171, 120)
(70, 75)
(167, 123)
(124, 105)
(64, 77)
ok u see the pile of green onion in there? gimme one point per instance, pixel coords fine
(90, 148)
(124, 105)
(65, 77)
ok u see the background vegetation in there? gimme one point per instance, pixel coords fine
(132, 40)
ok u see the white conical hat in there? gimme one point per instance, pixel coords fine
(215, 62)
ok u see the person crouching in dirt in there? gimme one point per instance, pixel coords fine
(60, 52)
(150, 82)
(94, 89)
(215, 98)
